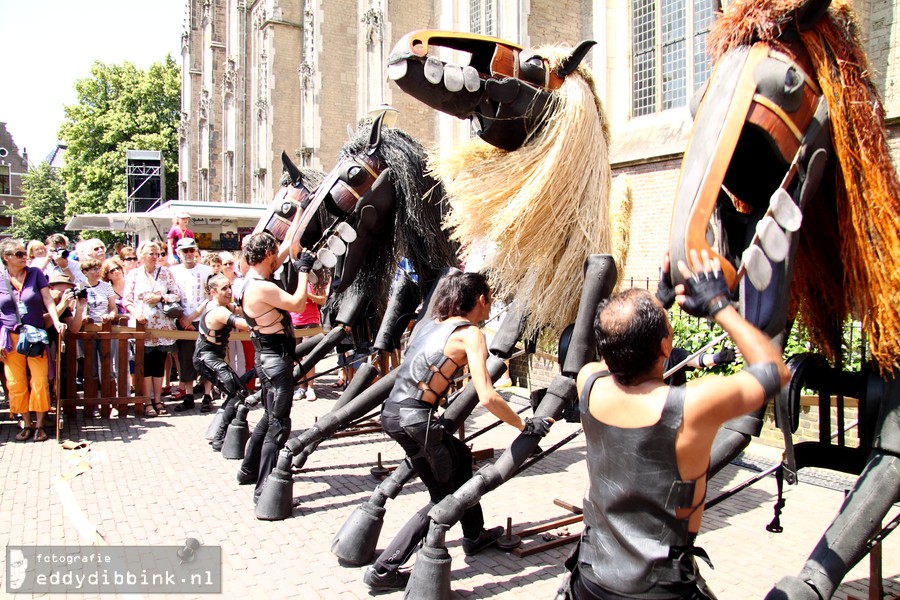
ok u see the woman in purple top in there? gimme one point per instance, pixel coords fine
(24, 295)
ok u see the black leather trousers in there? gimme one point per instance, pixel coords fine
(274, 367)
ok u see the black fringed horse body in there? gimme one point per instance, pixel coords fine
(380, 193)
(771, 148)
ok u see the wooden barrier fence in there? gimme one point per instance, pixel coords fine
(111, 388)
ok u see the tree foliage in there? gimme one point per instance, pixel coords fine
(119, 108)
(42, 211)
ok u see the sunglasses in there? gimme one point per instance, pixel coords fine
(17, 254)
(100, 248)
(130, 258)
(114, 270)
(188, 250)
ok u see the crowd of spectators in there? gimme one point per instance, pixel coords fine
(53, 285)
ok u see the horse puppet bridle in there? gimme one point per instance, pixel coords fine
(341, 193)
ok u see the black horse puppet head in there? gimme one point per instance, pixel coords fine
(503, 88)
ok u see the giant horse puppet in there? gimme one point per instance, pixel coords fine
(584, 238)
(790, 128)
(382, 207)
(540, 192)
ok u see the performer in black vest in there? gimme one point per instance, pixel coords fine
(648, 444)
(437, 354)
(216, 324)
(267, 310)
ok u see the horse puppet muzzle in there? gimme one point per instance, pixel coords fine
(756, 154)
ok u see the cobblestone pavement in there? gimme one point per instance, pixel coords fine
(156, 482)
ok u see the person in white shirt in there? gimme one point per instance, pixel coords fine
(192, 278)
(101, 306)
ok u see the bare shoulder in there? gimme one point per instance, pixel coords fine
(586, 371)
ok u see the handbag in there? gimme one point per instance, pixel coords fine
(32, 340)
(173, 310)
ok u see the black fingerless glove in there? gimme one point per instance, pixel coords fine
(305, 262)
(707, 293)
(725, 356)
(538, 426)
(665, 291)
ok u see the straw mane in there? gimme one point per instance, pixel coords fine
(862, 222)
(545, 205)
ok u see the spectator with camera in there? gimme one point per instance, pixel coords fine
(192, 278)
(58, 260)
(24, 298)
(72, 311)
(147, 288)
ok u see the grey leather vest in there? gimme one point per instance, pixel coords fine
(426, 350)
(629, 508)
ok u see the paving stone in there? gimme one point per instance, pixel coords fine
(156, 481)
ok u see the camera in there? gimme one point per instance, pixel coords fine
(81, 292)
(60, 253)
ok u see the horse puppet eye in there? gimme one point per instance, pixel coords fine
(533, 69)
(355, 175)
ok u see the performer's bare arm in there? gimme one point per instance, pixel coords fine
(269, 293)
(218, 317)
(476, 353)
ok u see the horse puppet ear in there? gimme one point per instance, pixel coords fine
(292, 169)
(809, 12)
(375, 135)
(571, 62)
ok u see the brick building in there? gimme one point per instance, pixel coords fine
(13, 166)
(262, 76)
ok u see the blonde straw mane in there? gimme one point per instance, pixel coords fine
(545, 205)
(865, 221)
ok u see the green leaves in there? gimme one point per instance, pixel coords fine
(119, 108)
(43, 211)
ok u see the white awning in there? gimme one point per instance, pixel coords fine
(125, 222)
(202, 213)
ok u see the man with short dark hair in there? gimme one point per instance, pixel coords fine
(648, 444)
(267, 310)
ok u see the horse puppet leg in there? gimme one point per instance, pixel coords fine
(860, 516)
